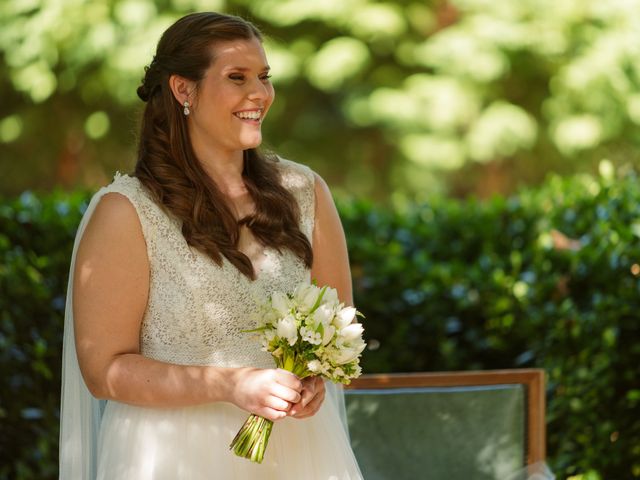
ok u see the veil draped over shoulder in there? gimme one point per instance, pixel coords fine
(80, 412)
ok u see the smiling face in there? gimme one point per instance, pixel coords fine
(232, 99)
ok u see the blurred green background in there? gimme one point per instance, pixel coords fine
(412, 111)
(388, 100)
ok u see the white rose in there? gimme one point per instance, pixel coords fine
(280, 303)
(352, 332)
(344, 317)
(286, 329)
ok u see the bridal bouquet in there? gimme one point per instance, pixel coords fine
(308, 332)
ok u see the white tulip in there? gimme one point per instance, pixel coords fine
(352, 332)
(323, 315)
(280, 303)
(347, 355)
(287, 329)
(329, 331)
(344, 317)
(306, 297)
(331, 297)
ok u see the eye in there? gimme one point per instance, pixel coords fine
(236, 77)
(265, 77)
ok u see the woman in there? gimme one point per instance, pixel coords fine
(169, 265)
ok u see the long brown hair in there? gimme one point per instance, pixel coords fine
(168, 167)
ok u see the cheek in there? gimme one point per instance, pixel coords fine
(272, 94)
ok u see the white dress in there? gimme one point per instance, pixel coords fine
(195, 315)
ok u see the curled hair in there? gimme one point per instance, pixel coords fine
(169, 169)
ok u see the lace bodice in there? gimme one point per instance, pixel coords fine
(197, 310)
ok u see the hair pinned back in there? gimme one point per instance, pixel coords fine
(168, 167)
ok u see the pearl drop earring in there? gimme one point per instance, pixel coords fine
(186, 110)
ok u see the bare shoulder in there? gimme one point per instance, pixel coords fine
(324, 199)
(320, 184)
(113, 225)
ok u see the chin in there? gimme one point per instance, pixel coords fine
(251, 142)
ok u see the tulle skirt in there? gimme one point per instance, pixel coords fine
(192, 443)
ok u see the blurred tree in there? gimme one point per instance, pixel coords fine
(380, 97)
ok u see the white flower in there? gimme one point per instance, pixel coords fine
(344, 317)
(286, 329)
(348, 354)
(352, 332)
(331, 297)
(306, 296)
(280, 303)
(329, 332)
(323, 315)
(314, 366)
(310, 336)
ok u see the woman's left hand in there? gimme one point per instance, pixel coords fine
(313, 392)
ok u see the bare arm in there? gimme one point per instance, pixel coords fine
(111, 284)
(330, 267)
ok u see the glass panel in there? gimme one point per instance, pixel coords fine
(450, 433)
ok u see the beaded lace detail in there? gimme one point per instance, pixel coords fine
(197, 310)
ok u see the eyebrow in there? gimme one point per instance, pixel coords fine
(245, 69)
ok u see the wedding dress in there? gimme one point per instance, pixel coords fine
(196, 315)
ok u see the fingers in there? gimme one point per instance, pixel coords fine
(313, 394)
(271, 414)
(276, 403)
(288, 379)
(311, 409)
(288, 394)
(283, 393)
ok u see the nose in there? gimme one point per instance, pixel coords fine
(260, 91)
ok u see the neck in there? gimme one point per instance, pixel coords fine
(224, 168)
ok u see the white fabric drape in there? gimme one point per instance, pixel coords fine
(535, 471)
(80, 412)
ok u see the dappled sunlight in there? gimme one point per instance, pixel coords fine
(412, 91)
(337, 60)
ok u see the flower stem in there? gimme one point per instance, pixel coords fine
(251, 440)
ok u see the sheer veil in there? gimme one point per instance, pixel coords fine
(80, 412)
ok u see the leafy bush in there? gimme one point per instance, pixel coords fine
(549, 278)
(36, 238)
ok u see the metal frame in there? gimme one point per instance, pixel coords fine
(532, 379)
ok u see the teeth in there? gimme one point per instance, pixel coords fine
(254, 115)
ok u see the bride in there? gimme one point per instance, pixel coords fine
(170, 263)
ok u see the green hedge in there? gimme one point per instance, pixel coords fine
(549, 278)
(448, 285)
(36, 239)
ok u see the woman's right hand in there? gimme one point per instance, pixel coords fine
(269, 393)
